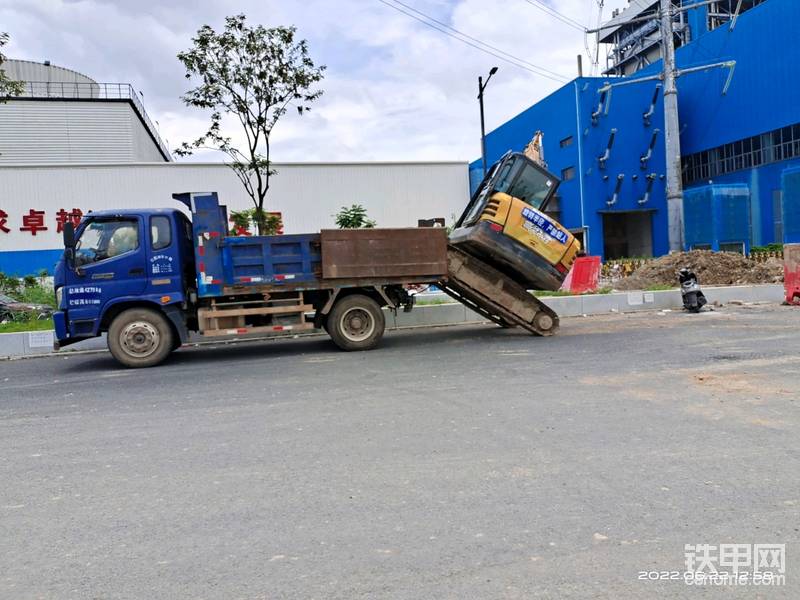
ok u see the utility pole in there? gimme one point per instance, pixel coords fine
(672, 132)
(481, 87)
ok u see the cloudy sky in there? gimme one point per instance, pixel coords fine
(395, 89)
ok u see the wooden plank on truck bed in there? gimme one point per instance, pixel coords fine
(384, 253)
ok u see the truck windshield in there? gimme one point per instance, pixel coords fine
(105, 239)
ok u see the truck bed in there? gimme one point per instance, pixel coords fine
(234, 265)
(334, 258)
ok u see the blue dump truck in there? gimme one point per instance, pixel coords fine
(149, 277)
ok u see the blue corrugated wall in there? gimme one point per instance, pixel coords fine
(791, 208)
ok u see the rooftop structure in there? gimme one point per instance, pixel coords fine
(63, 116)
(633, 36)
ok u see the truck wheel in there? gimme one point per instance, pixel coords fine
(140, 337)
(356, 323)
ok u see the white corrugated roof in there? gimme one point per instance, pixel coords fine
(634, 9)
(29, 70)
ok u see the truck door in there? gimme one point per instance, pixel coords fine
(110, 263)
(164, 259)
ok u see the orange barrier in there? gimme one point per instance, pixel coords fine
(584, 275)
(791, 272)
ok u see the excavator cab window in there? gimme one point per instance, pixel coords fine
(517, 176)
(528, 183)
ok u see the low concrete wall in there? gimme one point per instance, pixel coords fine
(13, 345)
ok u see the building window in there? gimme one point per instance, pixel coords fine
(735, 247)
(554, 208)
(774, 146)
(568, 173)
(777, 213)
(566, 142)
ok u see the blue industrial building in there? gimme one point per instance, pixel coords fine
(740, 134)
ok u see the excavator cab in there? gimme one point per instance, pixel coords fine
(505, 225)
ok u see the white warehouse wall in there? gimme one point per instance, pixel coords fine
(58, 131)
(307, 195)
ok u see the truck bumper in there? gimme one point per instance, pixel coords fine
(525, 266)
(60, 321)
(62, 337)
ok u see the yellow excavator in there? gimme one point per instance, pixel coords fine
(504, 244)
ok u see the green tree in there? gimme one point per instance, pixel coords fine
(354, 217)
(254, 74)
(270, 223)
(8, 86)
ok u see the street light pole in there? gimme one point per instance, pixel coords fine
(481, 87)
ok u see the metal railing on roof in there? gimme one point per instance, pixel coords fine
(94, 91)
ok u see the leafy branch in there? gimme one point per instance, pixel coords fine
(255, 74)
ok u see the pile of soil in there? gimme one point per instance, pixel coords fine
(711, 268)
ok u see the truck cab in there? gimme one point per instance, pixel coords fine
(116, 261)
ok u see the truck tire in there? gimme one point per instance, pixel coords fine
(356, 322)
(140, 337)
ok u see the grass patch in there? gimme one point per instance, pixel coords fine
(37, 294)
(434, 301)
(29, 290)
(545, 293)
(32, 325)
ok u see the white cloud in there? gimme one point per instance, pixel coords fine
(394, 90)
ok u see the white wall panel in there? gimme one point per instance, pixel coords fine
(308, 195)
(52, 132)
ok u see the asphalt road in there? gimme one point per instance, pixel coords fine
(460, 462)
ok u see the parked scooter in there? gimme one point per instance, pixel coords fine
(693, 298)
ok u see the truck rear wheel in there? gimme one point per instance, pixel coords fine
(140, 337)
(356, 322)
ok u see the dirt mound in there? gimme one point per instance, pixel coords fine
(712, 268)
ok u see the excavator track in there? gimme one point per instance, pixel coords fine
(493, 295)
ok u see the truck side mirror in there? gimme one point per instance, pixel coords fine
(69, 235)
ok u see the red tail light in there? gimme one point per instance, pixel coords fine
(496, 227)
(561, 268)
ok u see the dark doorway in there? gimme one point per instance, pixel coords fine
(580, 235)
(627, 234)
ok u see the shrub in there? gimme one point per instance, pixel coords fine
(354, 217)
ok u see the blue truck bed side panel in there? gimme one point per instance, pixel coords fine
(223, 260)
(271, 259)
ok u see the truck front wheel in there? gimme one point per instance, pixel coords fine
(140, 337)
(356, 322)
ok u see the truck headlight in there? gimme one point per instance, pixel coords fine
(59, 294)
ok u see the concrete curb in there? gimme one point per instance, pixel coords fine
(34, 343)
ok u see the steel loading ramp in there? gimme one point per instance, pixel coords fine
(492, 294)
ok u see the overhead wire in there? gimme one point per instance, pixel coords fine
(557, 15)
(472, 41)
